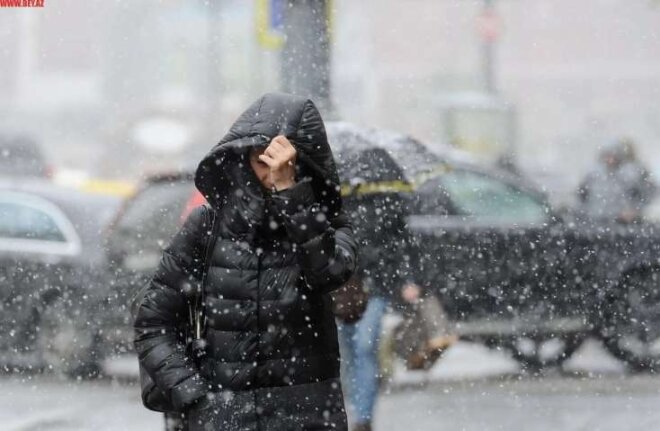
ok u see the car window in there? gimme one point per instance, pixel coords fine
(18, 221)
(154, 214)
(483, 198)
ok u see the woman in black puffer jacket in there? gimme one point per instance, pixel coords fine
(272, 359)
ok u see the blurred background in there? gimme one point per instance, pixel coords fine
(545, 82)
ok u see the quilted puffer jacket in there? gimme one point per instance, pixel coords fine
(272, 359)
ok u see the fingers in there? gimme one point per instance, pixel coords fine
(274, 152)
(281, 149)
(270, 161)
(280, 156)
(282, 141)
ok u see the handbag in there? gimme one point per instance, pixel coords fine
(350, 301)
(424, 334)
(153, 397)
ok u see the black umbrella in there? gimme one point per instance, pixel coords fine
(375, 161)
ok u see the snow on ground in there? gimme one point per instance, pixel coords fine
(470, 388)
(608, 403)
(35, 403)
(593, 358)
(475, 361)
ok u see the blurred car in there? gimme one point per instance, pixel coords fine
(21, 156)
(520, 275)
(514, 272)
(51, 274)
(134, 242)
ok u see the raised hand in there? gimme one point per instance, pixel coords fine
(280, 156)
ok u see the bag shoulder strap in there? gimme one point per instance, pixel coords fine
(198, 312)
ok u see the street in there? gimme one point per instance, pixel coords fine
(555, 403)
(471, 388)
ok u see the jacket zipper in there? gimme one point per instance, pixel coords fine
(258, 356)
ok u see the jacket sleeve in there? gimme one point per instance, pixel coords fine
(326, 249)
(164, 310)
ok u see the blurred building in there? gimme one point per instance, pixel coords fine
(50, 79)
(578, 73)
(82, 75)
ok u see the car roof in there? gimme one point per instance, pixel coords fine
(62, 195)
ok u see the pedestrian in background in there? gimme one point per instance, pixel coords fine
(272, 359)
(620, 186)
(384, 267)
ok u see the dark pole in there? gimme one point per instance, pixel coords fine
(306, 53)
(488, 48)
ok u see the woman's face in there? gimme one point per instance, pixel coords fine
(261, 169)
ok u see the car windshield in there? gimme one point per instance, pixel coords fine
(485, 198)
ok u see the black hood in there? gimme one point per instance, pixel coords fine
(273, 114)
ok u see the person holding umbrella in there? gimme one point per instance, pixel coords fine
(374, 186)
(384, 268)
